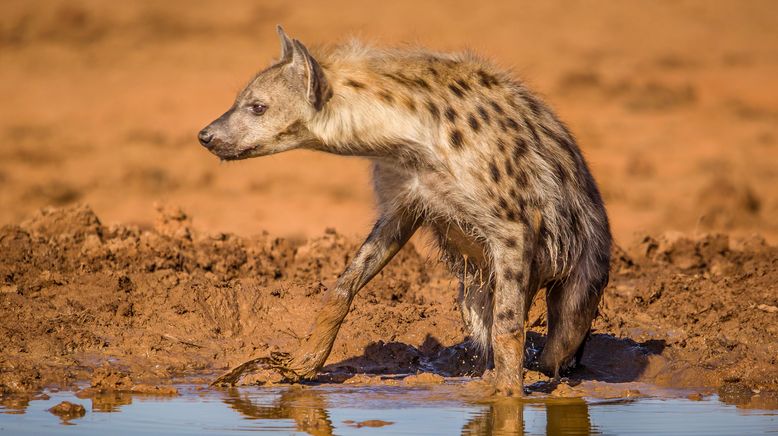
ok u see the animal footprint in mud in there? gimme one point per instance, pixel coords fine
(267, 370)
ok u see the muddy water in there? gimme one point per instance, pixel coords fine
(324, 410)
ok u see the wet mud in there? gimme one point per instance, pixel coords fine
(134, 310)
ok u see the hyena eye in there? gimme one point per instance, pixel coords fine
(258, 108)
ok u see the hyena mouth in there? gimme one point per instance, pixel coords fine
(238, 155)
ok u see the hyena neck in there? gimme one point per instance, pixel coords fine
(368, 116)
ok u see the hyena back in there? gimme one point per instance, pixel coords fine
(459, 148)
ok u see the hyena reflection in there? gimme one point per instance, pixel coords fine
(460, 148)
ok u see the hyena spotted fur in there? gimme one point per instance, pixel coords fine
(460, 148)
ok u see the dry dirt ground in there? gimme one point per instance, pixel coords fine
(675, 105)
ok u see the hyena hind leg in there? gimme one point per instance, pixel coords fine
(572, 306)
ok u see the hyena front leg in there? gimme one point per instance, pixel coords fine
(389, 235)
(512, 296)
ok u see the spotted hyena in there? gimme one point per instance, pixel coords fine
(460, 148)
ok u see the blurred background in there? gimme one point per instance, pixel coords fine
(674, 103)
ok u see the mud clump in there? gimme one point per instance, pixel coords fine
(424, 378)
(67, 410)
(108, 379)
(168, 303)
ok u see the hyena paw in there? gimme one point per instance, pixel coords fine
(278, 362)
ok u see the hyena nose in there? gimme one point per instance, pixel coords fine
(205, 137)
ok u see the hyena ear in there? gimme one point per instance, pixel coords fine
(318, 89)
(287, 46)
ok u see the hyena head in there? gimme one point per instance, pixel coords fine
(271, 114)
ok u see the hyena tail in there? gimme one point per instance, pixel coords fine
(572, 306)
(475, 303)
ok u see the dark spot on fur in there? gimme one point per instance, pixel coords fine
(508, 274)
(508, 168)
(519, 149)
(524, 217)
(510, 122)
(509, 314)
(521, 177)
(456, 90)
(503, 203)
(511, 215)
(422, 83)
(510, 242)
(433, 71)
(512, 102)
(497, 108)
(370, 258)
(392, 77)
(534, 105)
(486, 79)
(433, 109)
(561, 173)
(386, 96)
(355, 84)
(512, 193)
(416, 82)
(473, 123)
(519, 275)
(501, 145)
(456, 139)
(410, 104)
(495, 172)
(451, 114)
(399, 78)
(484, 115)
(464, 85)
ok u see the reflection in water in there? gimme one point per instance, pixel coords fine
(502, 417)
(569, 417)
(321, 410)
(308, 408)
(305, 406)
(506, 417)
(110, 401)
(15, 404)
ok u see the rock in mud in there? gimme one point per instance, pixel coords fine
(424, 378)
(67, 410)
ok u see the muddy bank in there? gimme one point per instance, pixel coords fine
(79, 300)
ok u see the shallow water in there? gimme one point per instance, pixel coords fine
(324, 410)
